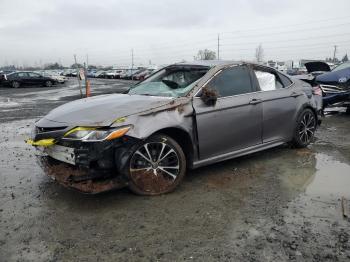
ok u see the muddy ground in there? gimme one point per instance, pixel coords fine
(279, 205)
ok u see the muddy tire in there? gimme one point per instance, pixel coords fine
(305, 129)
(15, 84)
(48, 83)
(157, 166)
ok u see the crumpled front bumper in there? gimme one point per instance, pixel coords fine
(87, 181)
(97, 167)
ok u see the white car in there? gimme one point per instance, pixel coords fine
(59, 78)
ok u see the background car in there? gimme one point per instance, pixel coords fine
(18, 79)
(113, 74)
(100, 74)
(143, 74)
(129, 73)
(57, 77)
(335, 83)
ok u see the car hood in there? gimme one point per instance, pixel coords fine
(317, 67)
(335, 76)
(101, 110)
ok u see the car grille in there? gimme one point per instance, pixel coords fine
(39, 130)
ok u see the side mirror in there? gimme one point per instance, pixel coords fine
(209, 96)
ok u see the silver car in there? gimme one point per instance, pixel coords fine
(182, 117)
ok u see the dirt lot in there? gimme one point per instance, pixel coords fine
(278, 205)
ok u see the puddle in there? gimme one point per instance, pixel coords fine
(332, 178)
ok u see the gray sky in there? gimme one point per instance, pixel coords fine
(34, 32)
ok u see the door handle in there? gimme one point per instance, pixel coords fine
(255, 101)
(295, 94)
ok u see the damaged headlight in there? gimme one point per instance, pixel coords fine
(89, 134)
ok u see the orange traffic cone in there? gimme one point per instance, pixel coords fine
(88, 88)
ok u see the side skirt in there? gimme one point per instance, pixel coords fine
(238, 153)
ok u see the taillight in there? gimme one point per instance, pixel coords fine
(316, 90)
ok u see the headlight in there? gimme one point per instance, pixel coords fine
(94, 135)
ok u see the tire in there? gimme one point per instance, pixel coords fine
(347, 110)
(305, 129)
(48, 83)
(146, 170)
(15, 84)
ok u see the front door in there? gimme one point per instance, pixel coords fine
(234, 122)
(35, 79)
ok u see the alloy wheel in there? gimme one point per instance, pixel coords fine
(307, 127)
(48, 84)
(15, 84)
(154, 167)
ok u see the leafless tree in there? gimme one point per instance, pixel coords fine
(259, 53)
(206, 55)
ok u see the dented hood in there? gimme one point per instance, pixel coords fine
(101, 110)
(317, 67)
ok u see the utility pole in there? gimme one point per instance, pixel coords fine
(78, 76)
(218, 46)
(132, 64)
(87, 61)
(335, 51)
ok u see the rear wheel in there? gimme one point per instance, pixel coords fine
(48, 83)
(305, 129)
(15, 84)
(157, 166)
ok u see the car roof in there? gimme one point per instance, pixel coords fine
(210, 63)
(213, 63)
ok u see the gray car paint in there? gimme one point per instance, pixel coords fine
(102, 110)
(231, 128)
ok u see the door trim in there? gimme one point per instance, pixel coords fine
(237, 153)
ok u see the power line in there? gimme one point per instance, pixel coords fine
(286, 25)
(292, 31)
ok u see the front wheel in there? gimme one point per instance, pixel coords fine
(157, 166)
(15, 84)
(305, 129)
(48, 83)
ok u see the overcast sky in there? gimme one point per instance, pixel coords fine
(34, 32)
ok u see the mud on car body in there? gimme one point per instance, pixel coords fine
(182, 116)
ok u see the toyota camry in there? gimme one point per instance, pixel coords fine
(183, 116)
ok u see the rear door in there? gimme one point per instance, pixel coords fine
(279, 104)
(22, 77)
(35, 79)
(234, 122)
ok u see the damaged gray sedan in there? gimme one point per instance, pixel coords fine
(183, 116)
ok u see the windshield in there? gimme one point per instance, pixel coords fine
(342, 66)
(174, 81)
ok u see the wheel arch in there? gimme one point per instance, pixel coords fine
(183, 138)
(307, 106)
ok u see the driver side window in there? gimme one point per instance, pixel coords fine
(232, 81)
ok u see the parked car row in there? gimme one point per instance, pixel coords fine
(130, 74)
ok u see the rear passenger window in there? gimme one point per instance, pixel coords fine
(232, 81)
(268, 81)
